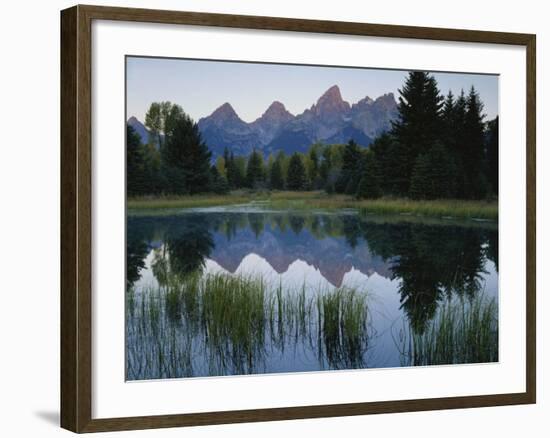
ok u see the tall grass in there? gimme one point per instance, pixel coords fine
(219, 324)
(463, 331)
(286, 200)
(195, 201)
(386, 206)
(344, 327)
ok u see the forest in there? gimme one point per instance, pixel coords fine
(439, 147)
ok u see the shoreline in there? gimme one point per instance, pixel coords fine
(285, 200)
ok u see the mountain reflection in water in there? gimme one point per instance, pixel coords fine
(408, 271)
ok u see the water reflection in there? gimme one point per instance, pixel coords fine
(311, 267)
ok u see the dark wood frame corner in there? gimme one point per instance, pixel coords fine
(76, 237)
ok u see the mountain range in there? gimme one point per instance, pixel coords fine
(330, 120)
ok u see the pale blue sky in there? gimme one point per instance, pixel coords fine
(201, 86)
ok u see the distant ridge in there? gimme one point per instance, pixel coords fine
(330, 120)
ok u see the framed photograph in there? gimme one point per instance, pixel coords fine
(269, 218)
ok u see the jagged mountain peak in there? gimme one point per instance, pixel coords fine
(366, 101)
(331, 102)
(276, 111)
(333, 93)
(387, 100)
(224, 112)
(331, 119)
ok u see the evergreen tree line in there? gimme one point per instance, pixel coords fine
(176, 161)
(279, 172)
(437, 148)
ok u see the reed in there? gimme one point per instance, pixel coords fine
(233, 322)
(463, 331)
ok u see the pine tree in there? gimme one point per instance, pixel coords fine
(351, 169)
(385, 149)
(369, 185)
(231, 171)
(421, 187)
(455, 143)
(474, 141)
(135, 164)
(326, 164)
(313, 168)
(418, 125)
(492, 154)
(254, 171)
(240, 164)
(225, 156)
(218, 183)
(430, 178)
(327, 172)
(153, 178)
(267, 169)
(448, 121)
(185, 156)
(296, 179)
(443, 172)
(276, 177)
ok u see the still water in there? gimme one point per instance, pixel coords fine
(230, 291)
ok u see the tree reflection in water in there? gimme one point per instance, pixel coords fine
(249, 326)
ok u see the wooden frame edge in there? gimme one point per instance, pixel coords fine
(531, 218)
(68, 347)
(76, 341)
(76, 225)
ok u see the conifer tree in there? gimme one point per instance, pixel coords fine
(421, 186)
(351, 169)
(218, 183)
(135, 164)
(267, 168)
(430, 178)
(369, 185)
(385, 149)
(226, 156)
(254, 170)
(276, 180)
(313, 168)
(418, 125)
(231, 171)
(474, 141)
(492, 154)
(296, 179)
(152, 161)
(185, 156)
(455, 143)
(326, 164)
(240, 164)
(448, 121)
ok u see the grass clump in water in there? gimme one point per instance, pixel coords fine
(232, 312)
(232, 323)
(344, 334)
(461, 332)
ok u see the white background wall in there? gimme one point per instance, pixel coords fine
(29, 184)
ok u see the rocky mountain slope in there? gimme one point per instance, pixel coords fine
(330, 120)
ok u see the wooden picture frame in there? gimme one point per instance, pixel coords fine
(76, 217)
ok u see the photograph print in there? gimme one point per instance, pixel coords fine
(299, 218)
